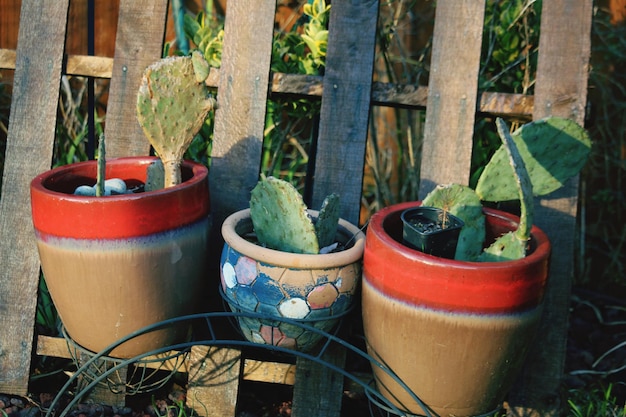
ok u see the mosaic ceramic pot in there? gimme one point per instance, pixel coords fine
(313, 289)
(455, 332)
(118, 263)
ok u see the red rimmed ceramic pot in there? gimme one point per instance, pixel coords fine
(118, 263)
(455, 332)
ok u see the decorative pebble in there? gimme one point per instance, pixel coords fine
(85, 190)
(113, 186)
(329, 248)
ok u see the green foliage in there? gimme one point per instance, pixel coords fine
(594, 403)
(603, 190)
(508, 65)
(46, 317)
(510, 44)
(289, 128)
(71, 134)
(206, 31)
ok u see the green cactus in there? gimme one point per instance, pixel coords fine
(281, 221)
(512, 245)
(327, 221)
(172, 104)
(553, 149)
(534, 160)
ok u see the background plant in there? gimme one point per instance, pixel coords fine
(290, 127)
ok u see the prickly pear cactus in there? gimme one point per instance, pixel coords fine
(462, 201)
(172, 105)
(512, 245)
(280, 217)
(553, 149)
(327, 221)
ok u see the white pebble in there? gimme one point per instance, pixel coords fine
(114, 186)
(85, 190)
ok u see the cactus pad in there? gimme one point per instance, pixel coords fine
(280, 217)
(512, 245)
(553, 149)
(171, 108)
(327, 221)
(462, 202)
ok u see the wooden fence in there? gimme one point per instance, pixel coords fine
(244, 81)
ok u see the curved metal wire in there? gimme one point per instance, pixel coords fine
(147, 374)
(326, 340)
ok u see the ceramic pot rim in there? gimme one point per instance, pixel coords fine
(240, 222)
(446, 284)
(57, 212)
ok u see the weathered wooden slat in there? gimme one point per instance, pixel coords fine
(243, 90)
(339, 161)
(29, 152)
(213, 381)
(272, 372)
(519, 106)
(139, 43)
(238, 134)
(383, 94)
(452, 93)
(253, 370)
(344, 115)
(319, 389)
(560, 90)
(7, 58)
(89, 66)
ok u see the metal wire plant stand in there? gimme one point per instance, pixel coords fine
(145, 375)
(208, 336)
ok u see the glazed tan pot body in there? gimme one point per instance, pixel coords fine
(313, 289)
(116, 264)
(455, 332)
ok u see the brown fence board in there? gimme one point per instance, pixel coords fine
(29, 152)
(139, 43)
(214, 380)
(243, 90)
(345, 105)
(561, 90)
(452, 93)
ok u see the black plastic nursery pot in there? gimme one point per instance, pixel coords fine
(431, 230)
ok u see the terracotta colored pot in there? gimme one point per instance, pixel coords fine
(455, 332)
(118, 263)
(313, 289)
